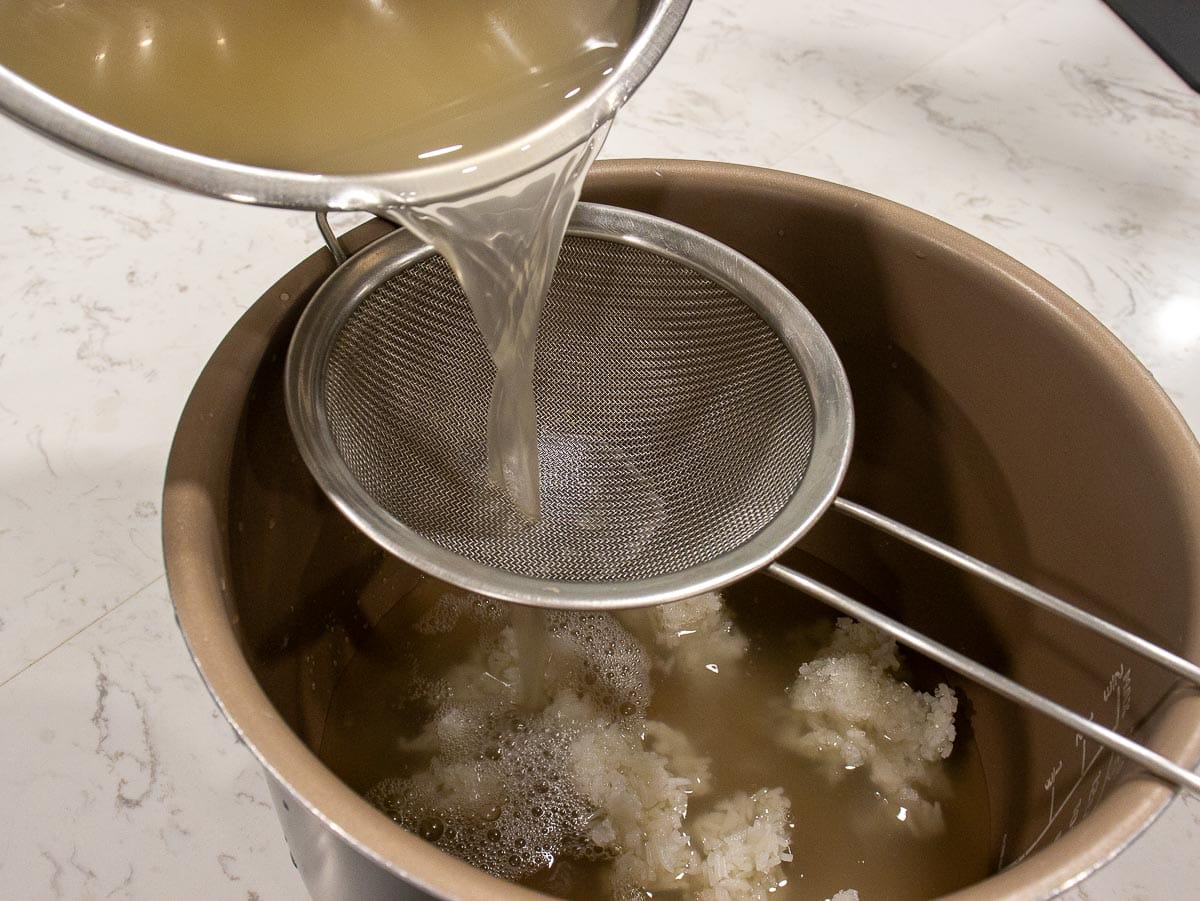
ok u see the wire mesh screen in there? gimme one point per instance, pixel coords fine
(673, 423)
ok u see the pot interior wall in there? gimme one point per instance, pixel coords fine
(983, 417)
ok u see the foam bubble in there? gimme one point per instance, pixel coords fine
(499, 789)
(453, 607)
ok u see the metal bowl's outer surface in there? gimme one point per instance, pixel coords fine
(991, 411)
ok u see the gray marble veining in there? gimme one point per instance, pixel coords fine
(1043, 126)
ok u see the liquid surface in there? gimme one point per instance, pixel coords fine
(354, 86)
(844, 835)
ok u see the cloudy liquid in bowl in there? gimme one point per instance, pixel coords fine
(347, 87)
(845, 833)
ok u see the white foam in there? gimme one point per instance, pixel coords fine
(499, 789)
(452, 607)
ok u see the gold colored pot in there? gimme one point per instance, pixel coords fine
(991, 411)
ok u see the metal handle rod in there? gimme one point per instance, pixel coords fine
(331, 239)
(1173, 662)
(1002, 685)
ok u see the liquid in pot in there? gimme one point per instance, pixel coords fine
(842, 830)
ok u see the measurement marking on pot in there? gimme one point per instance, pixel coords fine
(1119, 691)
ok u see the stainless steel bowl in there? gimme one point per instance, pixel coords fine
(658, 20)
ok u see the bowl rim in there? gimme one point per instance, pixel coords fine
(92, 137)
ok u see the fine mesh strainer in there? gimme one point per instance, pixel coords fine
(693, 419)
(694, 422)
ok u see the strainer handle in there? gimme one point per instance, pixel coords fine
(1164, 658)
(1002, 685)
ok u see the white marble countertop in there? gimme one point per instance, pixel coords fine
(1043, 126)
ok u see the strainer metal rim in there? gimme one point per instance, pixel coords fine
(333, 303)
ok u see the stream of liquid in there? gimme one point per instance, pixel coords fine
(503, 245)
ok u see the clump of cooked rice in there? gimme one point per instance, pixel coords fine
(497, 789)
(641, 806)
(694, 635)
(586, 776)
(493, 794)
(681, 756)
(744, 842)
(849, 708)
